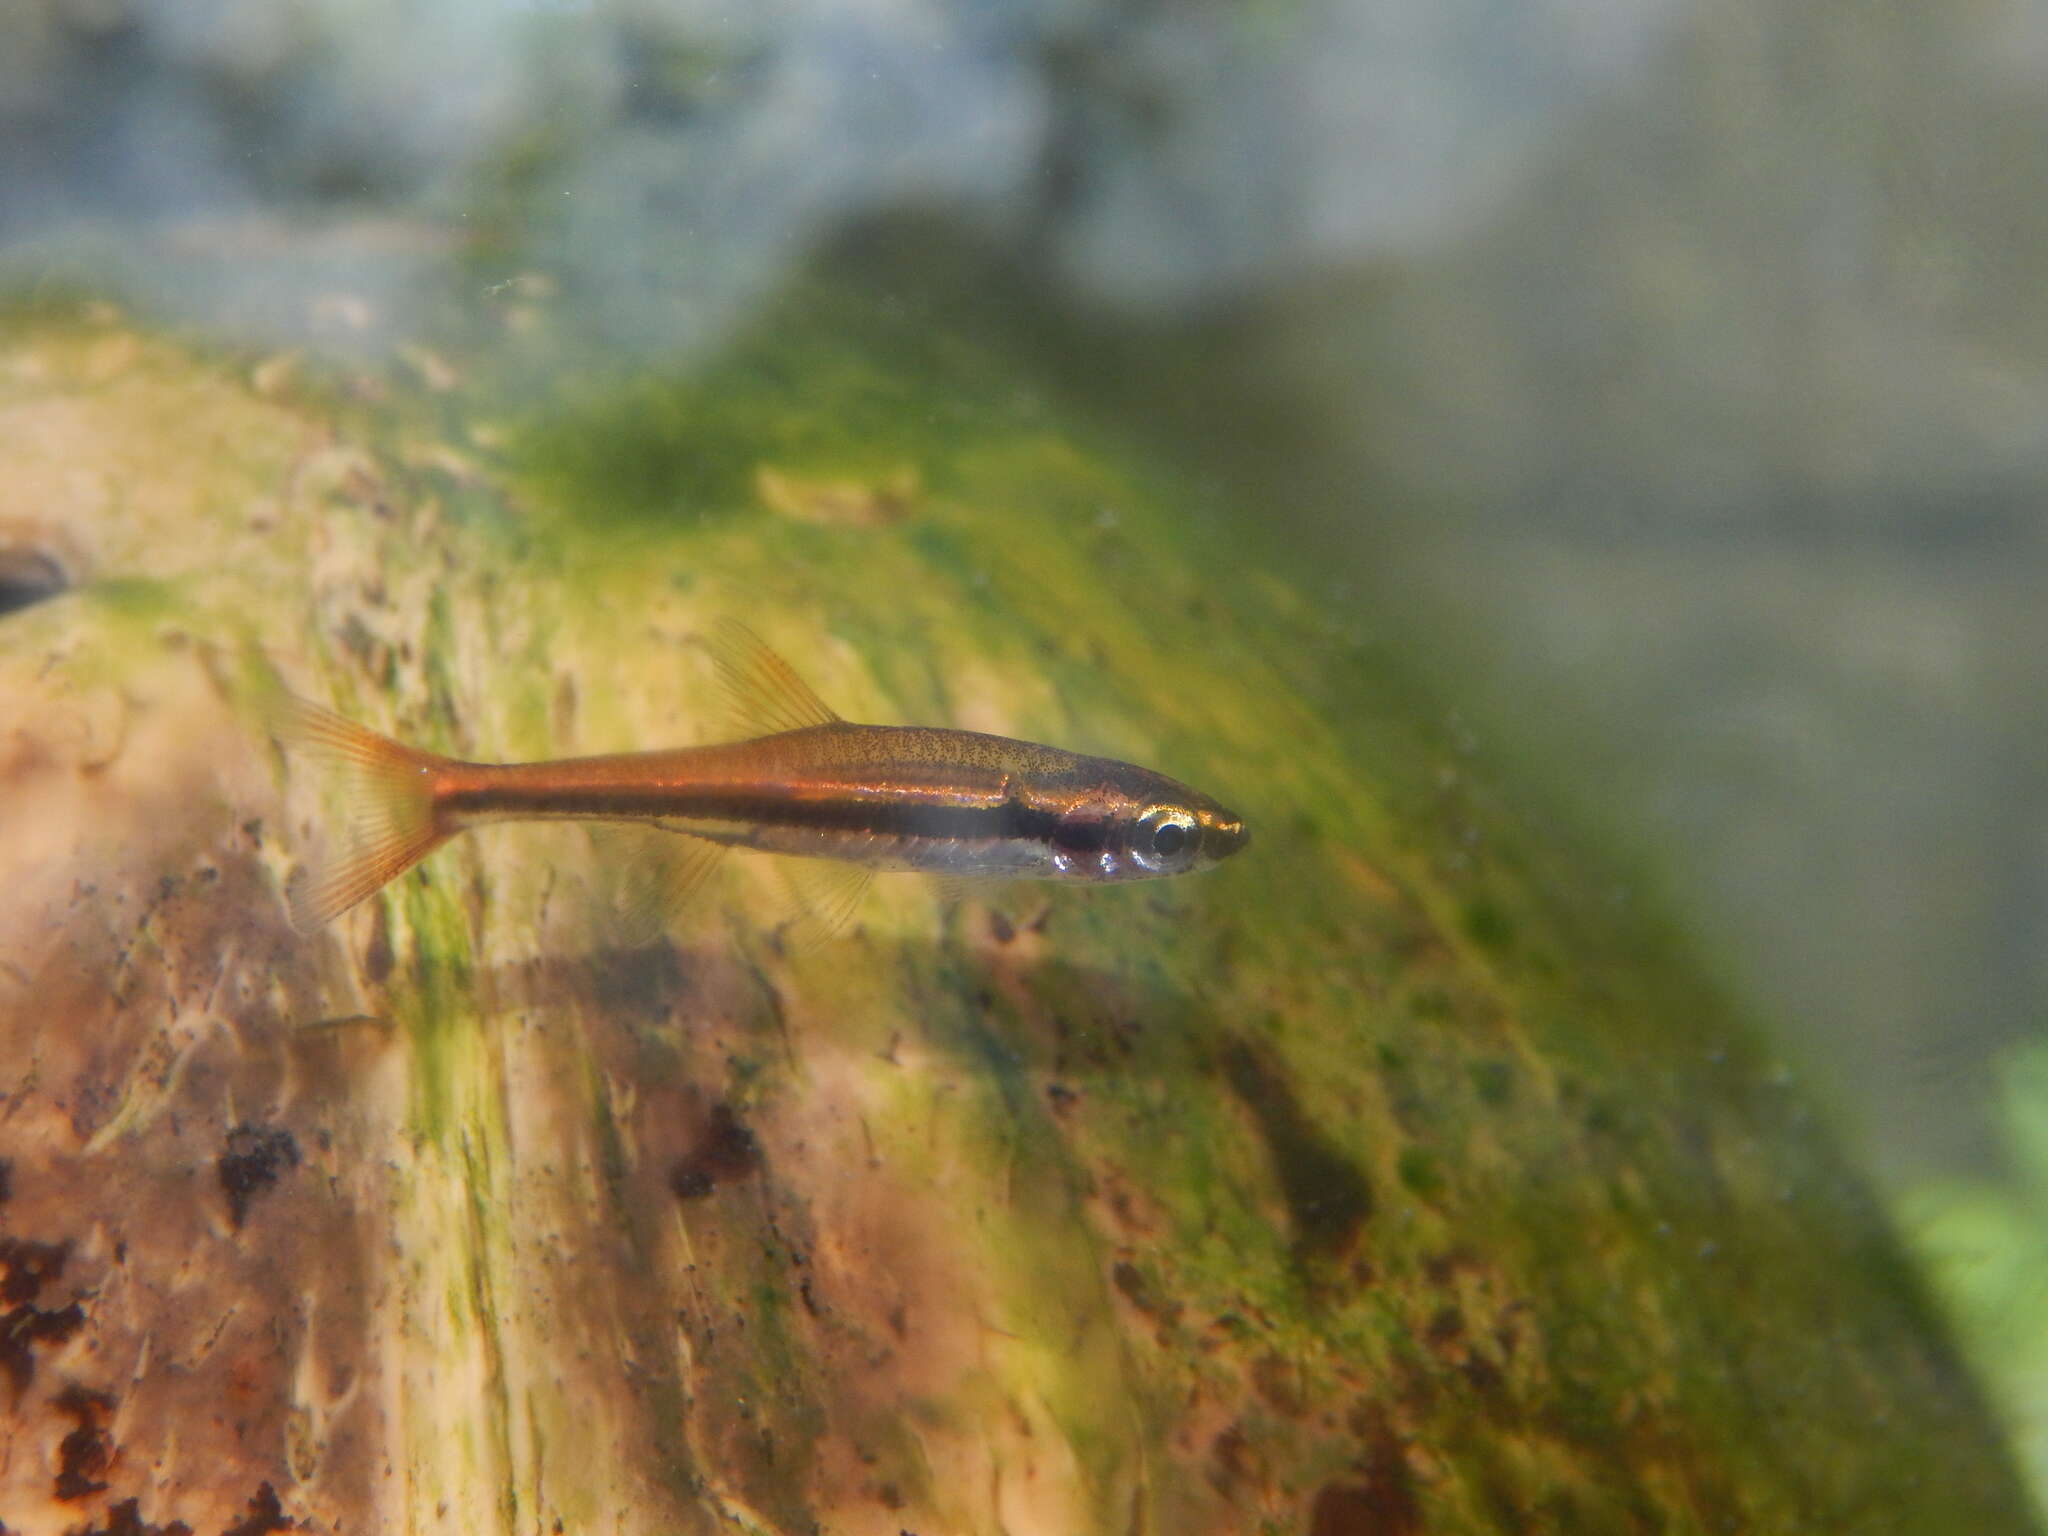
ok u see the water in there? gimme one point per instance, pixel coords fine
(1568, 475)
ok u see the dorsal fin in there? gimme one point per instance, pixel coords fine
(762, 690)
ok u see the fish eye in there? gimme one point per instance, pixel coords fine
(1166, 837)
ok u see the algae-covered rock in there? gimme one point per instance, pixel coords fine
(1396, 1176)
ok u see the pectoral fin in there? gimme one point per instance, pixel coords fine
(650, 877)
(827, 894)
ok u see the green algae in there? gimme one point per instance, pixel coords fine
(609, 451)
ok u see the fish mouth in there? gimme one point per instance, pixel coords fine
(1225, 835)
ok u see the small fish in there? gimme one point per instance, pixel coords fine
(957, 804)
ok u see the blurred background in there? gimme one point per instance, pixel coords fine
(1667, 380)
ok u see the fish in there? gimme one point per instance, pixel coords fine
(802, 782)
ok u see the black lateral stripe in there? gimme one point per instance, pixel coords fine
(888, 818)
(1071, 834)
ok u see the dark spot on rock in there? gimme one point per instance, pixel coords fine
(1493, 1080)
(1484, 1375)
(356, 639)
(378, 959)
(125, 1519)
(88, 1450)
(254, 1156)
(1232, 1460)
(638, 983)
(25, 1268)
(1000, 927)
(1506, 1339)
(1063, 1098)
(1381, 1500)
(1447, 1327)
(265, 1515)
(1131, 1281)
(1414, 1388)
(27, 576)
(1327, 1197)
(24, 1327)
(1507, 1508)
(1443, 1268)
(1279, 1383)
(1345, 1509)
(6, 1181)
(565, 707)
(1420, 1173)
(1603, 1117)
(727, 1151)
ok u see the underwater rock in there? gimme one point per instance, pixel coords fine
(1393, 1176)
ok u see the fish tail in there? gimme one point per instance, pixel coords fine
(392, 823)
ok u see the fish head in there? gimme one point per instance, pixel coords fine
(1139, 825)
(1180, 832)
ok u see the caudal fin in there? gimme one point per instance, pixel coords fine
(389, 796)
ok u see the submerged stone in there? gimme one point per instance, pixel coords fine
(1386, 1177)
